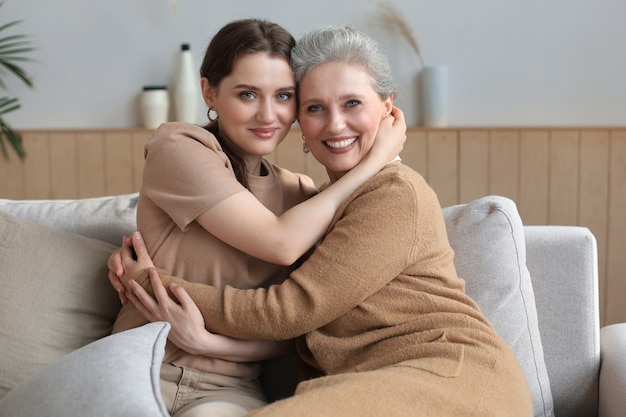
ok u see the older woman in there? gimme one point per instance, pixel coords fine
(385, 325)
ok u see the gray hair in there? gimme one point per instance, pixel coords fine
(347, 45)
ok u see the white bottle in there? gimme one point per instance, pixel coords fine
(186, 87)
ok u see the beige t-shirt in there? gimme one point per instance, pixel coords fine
(186, 173)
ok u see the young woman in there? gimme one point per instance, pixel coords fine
(387, 328)
(212, 208)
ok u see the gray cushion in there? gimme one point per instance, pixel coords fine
(488, 239)
(117, 376)
(104, 218)
(55, 296)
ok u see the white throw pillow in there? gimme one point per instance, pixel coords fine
(117, 376)
(487, 236)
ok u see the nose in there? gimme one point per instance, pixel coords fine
(335, 122)
(266, 112)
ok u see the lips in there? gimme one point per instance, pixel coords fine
(340, 144)
(264, 133)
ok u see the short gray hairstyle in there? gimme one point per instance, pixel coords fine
(347, 45)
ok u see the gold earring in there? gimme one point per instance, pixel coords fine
(305, 147)
(209, 115)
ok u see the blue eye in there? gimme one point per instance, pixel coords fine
(313, 109)
(284, 96)
(353, 103)
(247, 95)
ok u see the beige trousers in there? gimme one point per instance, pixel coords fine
(190, 393)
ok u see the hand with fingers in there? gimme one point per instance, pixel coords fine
(124, 263)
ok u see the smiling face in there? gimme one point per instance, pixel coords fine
(255, 102)
(339, 115)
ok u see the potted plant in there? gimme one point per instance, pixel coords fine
(12, 52)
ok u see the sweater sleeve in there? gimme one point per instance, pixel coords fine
(368, 245)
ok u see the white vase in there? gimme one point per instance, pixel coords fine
(186, 87)
(154, 106)
(434, 96)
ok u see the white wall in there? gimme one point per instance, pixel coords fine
(511, 62)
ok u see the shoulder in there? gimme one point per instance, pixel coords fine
(398, 188)
(397, 178)
(180, 134)
(183, 142)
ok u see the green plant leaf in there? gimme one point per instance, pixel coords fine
(12, 52)
(17, 71)
(8, 105)
(8, 25)
(14, 138)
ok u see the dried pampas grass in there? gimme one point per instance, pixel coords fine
(389, 18)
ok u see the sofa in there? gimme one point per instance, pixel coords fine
(538, 285)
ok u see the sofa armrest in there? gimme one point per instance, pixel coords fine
(613, 371)
(563, 266)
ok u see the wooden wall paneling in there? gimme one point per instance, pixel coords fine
(90, 160)
(36, 166)
(533, 200)
(473, 164)
(63, 165)
(594, 195)
(139, 140)
(289, 153)
(442, 150)
(504, 163)
(11, 175)
(118, 152)
(315, 170)
(616, 261)
(564, 177)
(414, 152)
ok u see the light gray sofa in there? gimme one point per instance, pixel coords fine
(537, 284)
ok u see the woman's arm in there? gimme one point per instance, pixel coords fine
(242, 222)
(188, 330)
(322, 289)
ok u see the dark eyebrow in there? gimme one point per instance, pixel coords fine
(254, 88)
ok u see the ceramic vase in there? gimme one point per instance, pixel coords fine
(154, 106)
(434, 96)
